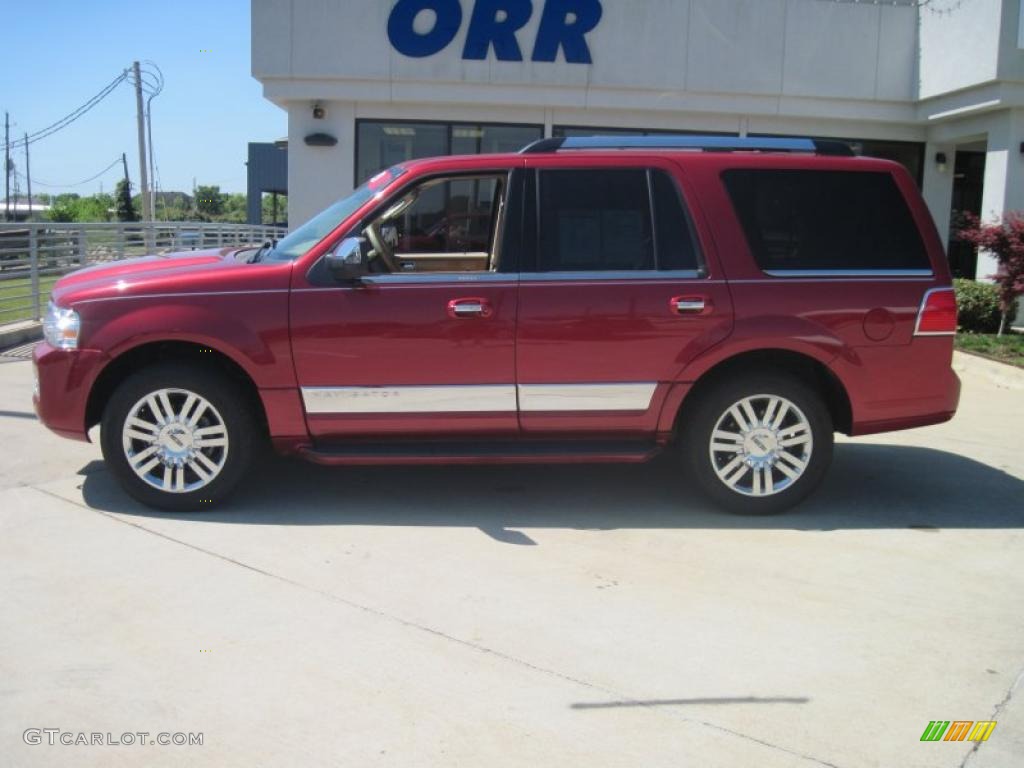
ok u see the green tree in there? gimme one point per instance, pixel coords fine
(1005, 240)
(234, 208)
(268, 209)
(96, 208)
(126, 210)
(64, 211)
(209, 201)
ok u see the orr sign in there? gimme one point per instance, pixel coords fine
(564, 25)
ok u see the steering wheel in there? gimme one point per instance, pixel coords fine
(381, 248)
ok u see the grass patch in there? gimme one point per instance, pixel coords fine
(1008, 348)
(16, 301)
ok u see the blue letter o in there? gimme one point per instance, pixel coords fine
(407, 41)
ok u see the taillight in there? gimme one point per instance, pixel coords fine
(937, 316)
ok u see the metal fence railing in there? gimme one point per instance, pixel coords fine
(33, 255)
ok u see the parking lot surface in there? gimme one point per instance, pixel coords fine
(527, 616)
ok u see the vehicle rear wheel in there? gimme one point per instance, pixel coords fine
(176, 437)
(758, 445)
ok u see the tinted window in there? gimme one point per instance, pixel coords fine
(675, 241)
(823, 220)
(595, 220)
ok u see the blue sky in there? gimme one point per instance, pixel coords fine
(60, 53)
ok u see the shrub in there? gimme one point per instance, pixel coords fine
(978, 306)
(1005, 241)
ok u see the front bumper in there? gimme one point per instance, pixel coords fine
(63, 381)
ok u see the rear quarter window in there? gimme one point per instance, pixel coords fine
(825, 220)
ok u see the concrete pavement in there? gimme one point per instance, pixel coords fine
(519, 616)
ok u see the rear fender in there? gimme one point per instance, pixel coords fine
(757, 334)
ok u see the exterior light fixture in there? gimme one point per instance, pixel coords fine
(320, 140)
(319, 113)
(940, 161)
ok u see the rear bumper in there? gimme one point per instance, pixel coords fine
(915, 388)
(63, 380)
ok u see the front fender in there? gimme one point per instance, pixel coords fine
(250, 329)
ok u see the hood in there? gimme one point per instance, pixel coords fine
(183, 272)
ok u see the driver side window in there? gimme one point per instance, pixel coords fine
(442, 225)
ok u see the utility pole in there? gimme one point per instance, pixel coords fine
(7, 167)
(152, 174)
(28, 178)
(147, 214)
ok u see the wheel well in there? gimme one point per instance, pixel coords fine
(807, 369)
(185, 352)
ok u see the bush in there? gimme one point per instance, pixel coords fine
(978, 306)
(1005, 241)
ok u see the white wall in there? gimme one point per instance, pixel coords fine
(959, 49)
(717, 65)
(317, 176)
(814, 67)
(760, 47)
(1004, 176)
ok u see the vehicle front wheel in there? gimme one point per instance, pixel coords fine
(759, 444)
(177, 438)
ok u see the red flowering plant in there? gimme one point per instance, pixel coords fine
(1004, 240)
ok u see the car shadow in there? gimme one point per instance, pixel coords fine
(869, 486)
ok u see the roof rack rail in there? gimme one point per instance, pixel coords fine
(696, 143)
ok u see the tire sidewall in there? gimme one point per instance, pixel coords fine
(700, 420)
(238, 421)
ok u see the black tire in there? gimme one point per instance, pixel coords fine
(233, 410)
(713, 403)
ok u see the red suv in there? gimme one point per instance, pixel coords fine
(585, 300)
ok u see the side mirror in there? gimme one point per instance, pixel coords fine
(348, 261)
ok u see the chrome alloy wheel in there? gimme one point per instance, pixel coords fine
(175, 440)
(761, 445)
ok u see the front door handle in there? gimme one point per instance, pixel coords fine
(689, 305)
(469, 307)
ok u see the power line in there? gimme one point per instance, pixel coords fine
(77, 183)
(68, 119)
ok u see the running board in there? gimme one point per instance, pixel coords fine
(469, 452)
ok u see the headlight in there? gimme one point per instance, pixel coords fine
(61, 327)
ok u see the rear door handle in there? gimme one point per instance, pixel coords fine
(689, 305)
(469, 307)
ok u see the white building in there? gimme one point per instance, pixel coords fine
(936, 84)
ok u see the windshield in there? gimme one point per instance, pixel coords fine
(316, 229)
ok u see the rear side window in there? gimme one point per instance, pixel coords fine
(674, 238)
(612, 220)
(825, 220)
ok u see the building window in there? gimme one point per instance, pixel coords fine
(482, 139)
(910, 154)
(380, 145)
(566, 131)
